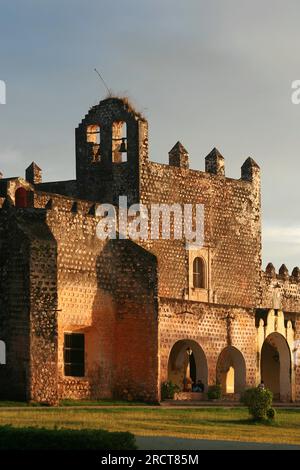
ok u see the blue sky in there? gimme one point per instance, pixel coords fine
(207, 73)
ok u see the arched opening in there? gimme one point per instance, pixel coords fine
(119, 142)
(21, 198)
(231, 371)
(93, 137)
(276, 366)
(187, 360)
(2, 352)
(199, 273)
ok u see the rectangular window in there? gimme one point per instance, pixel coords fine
(74, 354)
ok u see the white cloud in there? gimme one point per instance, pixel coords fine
(281, 234)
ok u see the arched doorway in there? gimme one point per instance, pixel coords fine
(276, 366)
(187, 357)
(231, 370)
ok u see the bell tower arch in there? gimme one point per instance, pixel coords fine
(111, 142)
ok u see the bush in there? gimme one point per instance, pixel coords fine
(168, 390)
(271, 414)
(214, 392)
(259, 402)
(64, 439)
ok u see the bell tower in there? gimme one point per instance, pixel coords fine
(111, 142)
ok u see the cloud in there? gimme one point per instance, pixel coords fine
(279, 234)
(281, 244)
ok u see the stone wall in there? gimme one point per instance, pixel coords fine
(281, 290)
(107, 291)
(14, 308)
(43, 311)
(232, 231)
(27, 297)
(213, 328)
(66, 188)
(99, 178)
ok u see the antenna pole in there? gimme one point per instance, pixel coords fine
(98, 73)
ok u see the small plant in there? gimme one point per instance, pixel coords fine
(259, 403)
(168, 390)
(214, 392)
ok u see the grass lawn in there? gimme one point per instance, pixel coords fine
(197, 423)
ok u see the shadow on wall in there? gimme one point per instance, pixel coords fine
(123, 267)
(127, 274)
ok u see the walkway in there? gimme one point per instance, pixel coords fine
(174, 443)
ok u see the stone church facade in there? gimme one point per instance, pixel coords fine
(85, 318)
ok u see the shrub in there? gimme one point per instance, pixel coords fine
(64, 439)
(259, 402)
(214, 392)
(168, 390)
(271, 414)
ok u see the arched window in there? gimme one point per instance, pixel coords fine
(21, 198)
(93, 137)
(198, 273)
(93, 133)
(119, 142)
(2, 352)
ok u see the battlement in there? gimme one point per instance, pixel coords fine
(281, 290)
(112, 149)
(112, 158)
(57, 202)
(283, 273)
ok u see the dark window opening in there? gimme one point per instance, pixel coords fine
(198, 273)
(74, 354)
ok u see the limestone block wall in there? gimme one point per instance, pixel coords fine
(101, 179)
(43, 314)
(213, 327)
(232, 231)
(28, 306)
(281, 291)
(14, 308)
(108, 292)
(67, 188)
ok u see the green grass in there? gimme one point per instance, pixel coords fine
(13, 404)
(197, 423)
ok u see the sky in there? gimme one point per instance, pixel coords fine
(211, 73)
